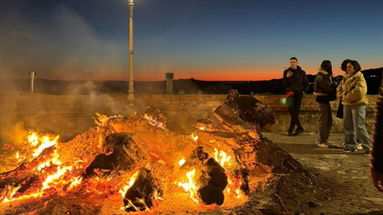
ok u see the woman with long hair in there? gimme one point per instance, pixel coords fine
(353, 92)
(324, 92)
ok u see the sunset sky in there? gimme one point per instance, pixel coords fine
(203, 39)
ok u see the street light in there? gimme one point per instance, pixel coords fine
(131, 53)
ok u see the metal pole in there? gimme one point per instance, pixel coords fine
(131, 54)
(32, 82)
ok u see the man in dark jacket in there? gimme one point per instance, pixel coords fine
(377, 146)
(295, 83)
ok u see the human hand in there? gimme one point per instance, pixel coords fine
(377, 179)
(289, 93)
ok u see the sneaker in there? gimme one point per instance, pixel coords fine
(358, 147)
(322, 145)
(349, 149)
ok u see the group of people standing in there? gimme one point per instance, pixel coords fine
(352, 92)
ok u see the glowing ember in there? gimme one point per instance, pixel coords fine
(221, 157)
(58, 180)
(153, 122)
(181, 162)
(234, 183)
(10, 192)
(46, 142)
(190, 185)
(75, 182)
(48, 175)
(33, 138)
(18, 157)
(234, 187)
(102, 120)
(55, 177)
(238, 193)
(194, 137)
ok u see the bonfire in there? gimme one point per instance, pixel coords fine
(134, 164)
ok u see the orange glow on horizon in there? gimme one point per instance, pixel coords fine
(204, 74)
(198, 73)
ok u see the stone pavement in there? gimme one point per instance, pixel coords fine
(353, 190)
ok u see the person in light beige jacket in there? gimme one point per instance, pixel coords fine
(353, 92)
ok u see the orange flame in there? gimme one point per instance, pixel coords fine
(222, 157)
(234, 187)
(58, 180)
(18, 157)
(190, 186)
(194, 136)
(33, 138)
(181, 162)
(75, 182)
(234, 183)
(46, 142)
(129, 185)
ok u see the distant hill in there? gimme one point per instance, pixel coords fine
(182, 86)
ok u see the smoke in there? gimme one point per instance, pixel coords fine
(64, 46)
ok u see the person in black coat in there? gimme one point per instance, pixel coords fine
(324, 92)
(295, 83)
(377, 146)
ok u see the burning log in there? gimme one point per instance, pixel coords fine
(121, 153)
(250, 109)
(212, 179)
(155, 117)
(252, 151)
(143, 192)
(212, 182)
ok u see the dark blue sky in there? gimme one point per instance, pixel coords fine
(205, 39)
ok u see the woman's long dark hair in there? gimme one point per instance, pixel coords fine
(326, 66)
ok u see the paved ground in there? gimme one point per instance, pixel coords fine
(354, 192)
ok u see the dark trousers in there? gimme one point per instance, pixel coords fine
(294, 109)
(324, 122)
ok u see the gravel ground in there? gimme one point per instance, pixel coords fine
(353, 191)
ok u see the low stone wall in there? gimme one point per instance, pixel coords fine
(68, 115)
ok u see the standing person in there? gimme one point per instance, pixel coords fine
(343, 66)
(295, 83)
(324, 92)
(353, 92)
(377, 145)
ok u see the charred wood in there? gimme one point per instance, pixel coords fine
(141, 196)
